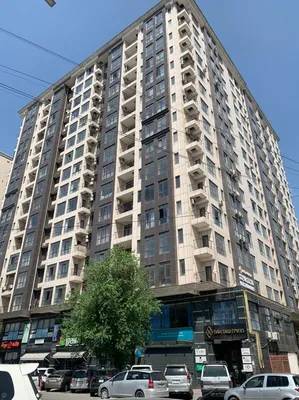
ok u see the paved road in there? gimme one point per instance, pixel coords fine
(65, 396)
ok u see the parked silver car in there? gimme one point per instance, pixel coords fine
(179, 380)
(215, 379)
(267, 386)
(135, 384)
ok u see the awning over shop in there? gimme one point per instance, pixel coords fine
(34, 356)
(68, 354)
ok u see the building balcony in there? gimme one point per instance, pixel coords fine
(126, 171)
(131, 49)
(130, 62)
(84, 208)
(190, 89)
(91, 139)
(129, 90)
(124, 212)
(187, 59)
(188, 74)
(129, 105)
(125, 194)
(96, 94)
(130, 75)
(183, 15)
(86, 189)
(97, 83)
(128, 120)
(88, 171)
(127, 136)
(191, 108)
(201, 221)
(198, 192)
(6, 290)
(127, 155)
(184, 29)
(90, 154)
(76, 275)
(195, 147)
(192, 129)
(79, 252)
(124, 239)
(185, 43)
(196, 169)
(203, 251)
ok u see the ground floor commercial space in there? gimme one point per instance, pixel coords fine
(248, 332)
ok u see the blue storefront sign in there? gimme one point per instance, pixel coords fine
(176, 334)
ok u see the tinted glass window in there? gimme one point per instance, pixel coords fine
(158, 376)
(80, 374)
(119, 377)
(256, 382)
(277, 381)
(6, 388)
(216, 370)
(175, 370)
(296, 380)
(133, 375)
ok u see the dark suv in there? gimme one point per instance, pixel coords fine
(98, 377)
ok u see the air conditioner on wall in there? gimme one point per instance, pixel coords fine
(268, 335)
(275, 336)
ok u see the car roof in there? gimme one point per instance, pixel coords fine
(142, 370)
(275, 374)
(176, 365)
(24, 369)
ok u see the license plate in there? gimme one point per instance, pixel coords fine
(52, 380)
(101, 380)
(175, 382)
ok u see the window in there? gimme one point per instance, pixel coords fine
(160, 72)
(171, 64)
(83, 121)
(115, 63)
(68, 157)
(174, 116)
(177, 182)
(162, 165)
(149, 111)
(161, 104)
(149, 130)
(160, 56)
(159, 43)
(110, 136)
(115, 75)
(163, 188)
(216, 216)
(149, 219)
(163, 214)
(74, 186)
(72, 204)
(113, 90)
(16, 306)
(220, 244)
(112, 104)
(209, 145)
(159, 18)
(256, 382)
(63, 191)
(162, 144)
(182, 267)
(57, 229)
(42, 172)
(161, 123)
(86, 94)
(180, 236)
(179, 207)
(77, 101)
(69, 225)
(79, 88)
(149, 63)
(108, 171)
(59, 294)
(277, 381)
(265, 271)
(63, 269)
(272, 274)
(75, 114)
(149, 193)
(211, 167)
(149, 149)
(149, 78)
(164, 274)
(223, 274)
(103, 235)
(149, 50)
(66, 246)
(261, 247)
(66, 173)
(33, 221)
(164, 242)
(149, 94)
(206, 125)
(224, 312)
(149, 36)
(214, 190)
(109, 153)
(105, 212)
(29, 239)
(151, 275)
(176, 158)
(159, 31)
(21, 282)
(252, 263)
(149, 171)
(54, 250)
(111, 119)
(116, 52)
(149, 246)
(254, 316)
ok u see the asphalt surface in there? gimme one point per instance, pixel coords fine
(65, 396)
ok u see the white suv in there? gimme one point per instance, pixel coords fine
(142, 367)
(16, 382)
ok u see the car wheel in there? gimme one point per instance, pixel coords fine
(104, 394)
(233, 398)
(139, 393)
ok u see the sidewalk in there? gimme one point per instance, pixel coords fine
(196, 394)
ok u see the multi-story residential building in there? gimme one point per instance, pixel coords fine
(5, 167)
(156, 144)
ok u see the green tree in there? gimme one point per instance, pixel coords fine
(112, 314)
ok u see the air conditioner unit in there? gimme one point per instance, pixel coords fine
(126, 80)
(119, 202)
(221, 203)
(125, 108)
(275, 336)
(87, 238)
(4, 288)
(193, 202)
(268, 335)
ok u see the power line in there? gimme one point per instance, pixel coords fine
(17, 91)
(53, 53)
(25, 74)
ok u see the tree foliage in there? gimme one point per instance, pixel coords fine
(112, 314)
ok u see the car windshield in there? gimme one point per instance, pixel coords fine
(141, 368)
(215, 370)
(175, 370)
(80, 374)
(296, 380)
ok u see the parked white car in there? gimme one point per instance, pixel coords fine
(144, 367)
(16, 382)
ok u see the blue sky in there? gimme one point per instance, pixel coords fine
(262, 38)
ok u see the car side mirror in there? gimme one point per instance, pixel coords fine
(244, 387)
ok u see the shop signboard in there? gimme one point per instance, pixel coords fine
(10, 344)
(225, 332)
(171, 335)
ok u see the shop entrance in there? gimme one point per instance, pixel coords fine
(230, 352)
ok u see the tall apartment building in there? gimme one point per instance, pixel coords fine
(5, 167)
(155, 143)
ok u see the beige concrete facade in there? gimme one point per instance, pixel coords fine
(5, 167)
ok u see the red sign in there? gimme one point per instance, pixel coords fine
(10, 344)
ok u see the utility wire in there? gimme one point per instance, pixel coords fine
(23, 73)
(53, 53)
